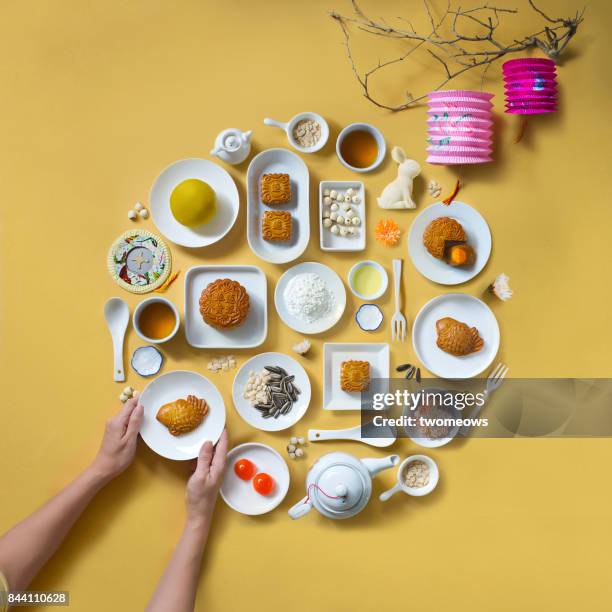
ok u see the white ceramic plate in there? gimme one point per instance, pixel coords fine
(251, 415)
(239, 494)
(334, 398)
(248, 335)
(172, 386)
(268, 162)
(334, 284)
(331, 242)
(228, 202)
(478, 236)
(464, 308)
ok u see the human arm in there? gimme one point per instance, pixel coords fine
(177, 587)
(25, 548)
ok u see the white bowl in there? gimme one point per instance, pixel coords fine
(288, 127)
(239, 494)
(334, 283)
(250, 414)
(380, 141)
(383, 274)
(228, 202)
(434, 475)
(136, 319)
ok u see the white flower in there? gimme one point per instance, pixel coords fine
(301, 348)
(501, 288)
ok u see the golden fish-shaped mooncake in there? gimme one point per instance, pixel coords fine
(456, 338)
(183, 415)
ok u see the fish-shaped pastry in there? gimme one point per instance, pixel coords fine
(183, 415)
(456, 338)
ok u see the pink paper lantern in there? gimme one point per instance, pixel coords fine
(530, 85)
(459, 127)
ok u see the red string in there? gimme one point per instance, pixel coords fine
(316, 486)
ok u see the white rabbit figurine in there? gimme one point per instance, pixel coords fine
(398, 193)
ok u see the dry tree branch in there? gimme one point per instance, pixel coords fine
(455, 51)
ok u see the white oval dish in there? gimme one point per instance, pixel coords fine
(228, 202)
(283, 161)
(250, 414)
(335, 285)
(288, 128)
(464, 308)
(384, 278)
(168, 388)
(239, 494)
(478, 236)
(380, 141)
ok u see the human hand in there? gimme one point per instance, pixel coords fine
(119, 442)
(204, 484)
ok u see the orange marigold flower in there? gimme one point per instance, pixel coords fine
(387, 232)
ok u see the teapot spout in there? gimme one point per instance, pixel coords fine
(216, 151)
(246, 136)
(374, 466)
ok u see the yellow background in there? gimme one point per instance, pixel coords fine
(97, 98)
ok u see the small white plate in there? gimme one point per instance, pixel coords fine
(464, 308)
(168, 388)
(334, 398)
(287, 162)
(239, 494)
(335, 285)
(331, 242)
(248, 335)
(228, 202)
(478, 236)
(251, 415)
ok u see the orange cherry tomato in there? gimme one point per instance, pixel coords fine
(263, 483)
(244, 469)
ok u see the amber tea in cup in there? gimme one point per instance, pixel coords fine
(359, 149)
(155, 319)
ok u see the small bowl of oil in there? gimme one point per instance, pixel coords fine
(368, 280)
(156, 320)
(360, 147)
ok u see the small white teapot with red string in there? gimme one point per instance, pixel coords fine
(339, 485)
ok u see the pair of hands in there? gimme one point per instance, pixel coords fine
(119, 447)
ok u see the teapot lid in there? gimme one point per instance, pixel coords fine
(339, 488)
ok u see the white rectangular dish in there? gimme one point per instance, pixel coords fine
(270, 162)
(251, 333)
(334, 353)
(332, 242)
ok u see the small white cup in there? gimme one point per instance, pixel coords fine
(384, 278)
(136, 319)
(380, 143)
(288, 127)
(416, 491)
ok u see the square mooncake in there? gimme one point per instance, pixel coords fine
(354, 375)
(275, 188)
(276, 226)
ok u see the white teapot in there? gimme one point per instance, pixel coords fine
(232, 145)
(339, 485)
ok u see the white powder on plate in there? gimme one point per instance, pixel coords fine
(308, 297)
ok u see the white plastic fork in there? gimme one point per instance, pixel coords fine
(493, 382)
(398, 321)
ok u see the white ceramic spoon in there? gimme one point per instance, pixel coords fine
(117, 315)
(352, 433)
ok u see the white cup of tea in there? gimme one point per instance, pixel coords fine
(360, 147)
(156, 320)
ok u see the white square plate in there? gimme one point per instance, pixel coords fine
(331, 242)
(334, 398)
(251, 333)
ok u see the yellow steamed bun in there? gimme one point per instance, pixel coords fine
(193, 202)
